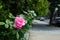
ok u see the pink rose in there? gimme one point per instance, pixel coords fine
(19, 22)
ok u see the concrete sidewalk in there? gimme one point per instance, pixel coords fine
(40, 31)
(44, 35)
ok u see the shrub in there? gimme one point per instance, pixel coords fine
(10, 9)
(17, 32)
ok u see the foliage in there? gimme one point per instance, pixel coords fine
(9, 9)
(41, 7)
(8, 31)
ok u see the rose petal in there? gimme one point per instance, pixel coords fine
(19, 22)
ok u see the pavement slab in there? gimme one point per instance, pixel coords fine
(40, 31)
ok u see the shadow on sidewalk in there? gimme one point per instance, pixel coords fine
(44, 27)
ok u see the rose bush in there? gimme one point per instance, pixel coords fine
(14, 27)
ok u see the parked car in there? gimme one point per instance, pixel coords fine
(58, 20)
(41, 18)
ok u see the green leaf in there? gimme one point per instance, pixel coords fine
(14, 32)
(10, 15)
(1, 6)
(7, 21)
(11, 26)
(17, 35)
(11, 22)
(29, 26)
(2, 23)
(6, 25)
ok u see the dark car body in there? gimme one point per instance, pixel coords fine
(57, 20)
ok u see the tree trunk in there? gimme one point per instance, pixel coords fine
(51, 14)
